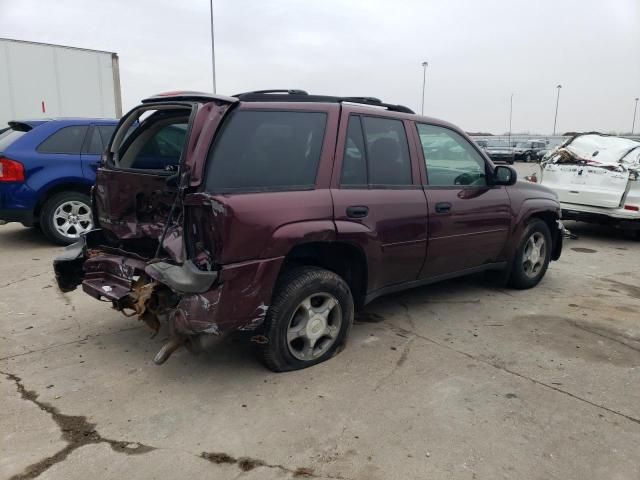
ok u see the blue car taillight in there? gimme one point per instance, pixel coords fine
(11, 171)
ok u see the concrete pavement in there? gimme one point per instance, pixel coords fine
(456, 380)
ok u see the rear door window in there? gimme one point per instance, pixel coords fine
(376, 153)
(266, 150)
(93, 145)
(106, 132)
(354, 161)
(387, 151)
(67, 140)
(98, 140)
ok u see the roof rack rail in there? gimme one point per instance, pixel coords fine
(288, 91)
(376, 102)
(294, 95)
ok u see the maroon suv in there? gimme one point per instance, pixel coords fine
(277, 212)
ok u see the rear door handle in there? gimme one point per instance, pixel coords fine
(443, 207)
(357, 211)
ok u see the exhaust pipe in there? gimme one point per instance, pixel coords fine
(167, 349)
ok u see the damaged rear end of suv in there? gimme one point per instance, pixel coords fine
(197, 201)
(136, 257)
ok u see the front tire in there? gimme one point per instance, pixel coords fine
(309, 319)
(532, 256)
(66, 215)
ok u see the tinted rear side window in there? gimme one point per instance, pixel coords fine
(94, 145)
(387, 150)
(263, 150)
(106, 132)
(354, 163)
(98, 139)
(8, 136)
(66, 140)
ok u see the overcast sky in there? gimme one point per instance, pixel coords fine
(479, 52)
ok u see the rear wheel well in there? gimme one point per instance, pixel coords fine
(65, 187)
(344, 259)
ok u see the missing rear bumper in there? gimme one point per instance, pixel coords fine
(196, 305)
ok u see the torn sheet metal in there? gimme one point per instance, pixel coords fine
(197, 313)
(597, 150)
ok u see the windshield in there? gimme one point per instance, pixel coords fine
(497, 144)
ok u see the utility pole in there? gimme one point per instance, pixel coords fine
(635, 109)
(556, 117)
(424, 83)
(510, 115)
(213, 49)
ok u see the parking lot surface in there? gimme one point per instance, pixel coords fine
(462, 379)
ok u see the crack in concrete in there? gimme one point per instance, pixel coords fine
(76, 431)
(64, 344)
(24, 278)
(598, 332)
(399, 362)
(512, 372)
(247, 464)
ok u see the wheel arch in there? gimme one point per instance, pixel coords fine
(551, 219)
(68, 186)
(343, 258)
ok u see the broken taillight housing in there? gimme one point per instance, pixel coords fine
(11, 171)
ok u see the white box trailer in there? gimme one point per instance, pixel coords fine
(39, 80)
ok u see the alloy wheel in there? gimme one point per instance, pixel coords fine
(534, 254)
(314, 326)
(72, 218)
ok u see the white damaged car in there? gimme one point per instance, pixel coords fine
(597, 179)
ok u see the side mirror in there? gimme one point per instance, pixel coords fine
(504, 175)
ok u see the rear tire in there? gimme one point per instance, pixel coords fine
(308, 321)
(532, 256)
(74, 208)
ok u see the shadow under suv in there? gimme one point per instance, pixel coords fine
(285, 211)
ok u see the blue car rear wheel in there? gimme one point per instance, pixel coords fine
(65, 216)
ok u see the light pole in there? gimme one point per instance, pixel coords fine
(510, 115)
(213, 50)
(635, 109)
(555, 119)
(424, 83)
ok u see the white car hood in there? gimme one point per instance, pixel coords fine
(596, 149)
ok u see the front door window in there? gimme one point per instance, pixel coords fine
(450, 159)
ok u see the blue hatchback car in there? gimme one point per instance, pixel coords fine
(47, 168)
